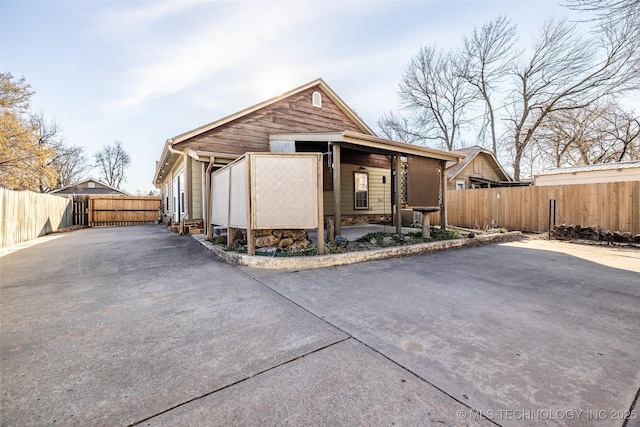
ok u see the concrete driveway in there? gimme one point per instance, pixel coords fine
(137, 326)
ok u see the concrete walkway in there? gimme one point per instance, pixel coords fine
(138, 326)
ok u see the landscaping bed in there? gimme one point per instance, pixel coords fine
(341, 245)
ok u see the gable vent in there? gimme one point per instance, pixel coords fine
(316, 99)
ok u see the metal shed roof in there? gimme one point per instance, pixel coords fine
(591, 168)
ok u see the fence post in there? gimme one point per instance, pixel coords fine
(552, 217)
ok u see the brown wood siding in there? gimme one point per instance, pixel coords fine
(292, 114)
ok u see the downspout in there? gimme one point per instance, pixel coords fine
(207, 201)
(184, 162)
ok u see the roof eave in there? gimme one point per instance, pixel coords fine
(164, 158)
(371, 141)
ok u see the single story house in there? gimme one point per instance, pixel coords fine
(88, 187)
(358, 172)
(590, 174)
(479, 169)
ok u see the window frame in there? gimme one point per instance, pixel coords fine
(356, 192)
(316, 99)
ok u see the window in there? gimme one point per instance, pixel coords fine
(316, 99)
(91, 185)
(361, 185)
(459, 185)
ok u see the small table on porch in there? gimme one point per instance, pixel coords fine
(425, 210)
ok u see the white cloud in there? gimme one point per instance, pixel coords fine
(239, 39)
(137, 17)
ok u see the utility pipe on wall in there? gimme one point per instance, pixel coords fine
(207, 201)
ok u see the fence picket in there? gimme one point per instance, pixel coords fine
(25, 215)
(613, 206)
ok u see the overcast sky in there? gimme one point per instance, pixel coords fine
(144, 71)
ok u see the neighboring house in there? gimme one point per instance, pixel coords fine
(478, 169)
(358, 166)
(588, 174)
(88, 187)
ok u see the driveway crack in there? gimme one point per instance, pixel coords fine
(239, 381)
(474, 410)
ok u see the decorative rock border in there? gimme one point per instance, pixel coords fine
(319, 261)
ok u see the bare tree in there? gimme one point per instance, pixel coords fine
(487, 55)
(600, 132)
(561, 81)
(47, 134)
(624, 129)
(67, 163)
(71, 164)
(613, 12)
(616, 137)
(436, 96)
(561, 136)
(398, 128)
(567, 72)
(112, 163)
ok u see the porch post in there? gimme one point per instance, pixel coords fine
(397, 213)
(443, 195)
(251, 242)
(320, 230)
(337, 193)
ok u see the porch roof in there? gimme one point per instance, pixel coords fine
(368, 143)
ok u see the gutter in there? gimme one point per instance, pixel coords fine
(458, 161)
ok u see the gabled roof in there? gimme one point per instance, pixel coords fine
(318, 82)
(79, 188)
(590, 168)
(364, 128)
(470, 153)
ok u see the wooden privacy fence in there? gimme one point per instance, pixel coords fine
(105, 211)
(613, 206)
(25, 215)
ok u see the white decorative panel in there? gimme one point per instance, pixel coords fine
(220, 197)
(284, 191)
(238, 214)
(276, 146)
